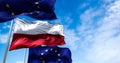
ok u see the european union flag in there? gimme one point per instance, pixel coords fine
(49, 54)
(39, 9)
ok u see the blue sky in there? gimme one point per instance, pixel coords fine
(91, 27)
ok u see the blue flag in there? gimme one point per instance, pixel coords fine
(49, 54)
(39, 9)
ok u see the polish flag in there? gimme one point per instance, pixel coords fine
(32, 34)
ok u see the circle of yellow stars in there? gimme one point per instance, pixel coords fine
(51, 49)
(13, 13)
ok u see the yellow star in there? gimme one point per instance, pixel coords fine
(59, 59)
(55, 50)
(13, 13)
(59, 55)
(51, 49)
(7, 5)
(38, 12)
(42, 53)
(31, 12)
(36, 3)
(46, 50)
(43, 61)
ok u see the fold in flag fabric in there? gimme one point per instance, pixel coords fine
(31, 34)
(39, 9)
(49, 54)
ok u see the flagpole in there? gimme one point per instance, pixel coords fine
(8, 41)
(25, 55)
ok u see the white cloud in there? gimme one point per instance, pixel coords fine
(19, 62)
(71, 39)
(66, 20)
(83, 5)
(108, 1)
(6, 25)
(105, 51)
(101, 38)
(3, 38)
(90, 14)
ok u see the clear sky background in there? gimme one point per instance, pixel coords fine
(92, 31)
